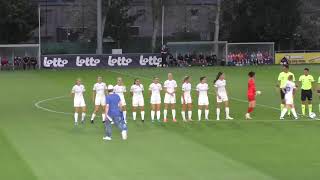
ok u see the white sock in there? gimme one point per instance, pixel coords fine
(152, 115)
(199, 114)
(158, 115)
(227, 112)
(206, 112)
(83, 116)
(165, 112)
(283, 112)
(124, 115)
(142, 115)
(190, 114)
(293, 110)
(173, 114)
(103, 117)
(76, 117)
(93, 116)
(183, 114)
(134, 115)
(218, 113)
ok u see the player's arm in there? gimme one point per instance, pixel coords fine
(93, 95)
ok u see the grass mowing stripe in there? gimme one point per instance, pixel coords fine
(12, 165)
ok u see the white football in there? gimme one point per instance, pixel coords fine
(312, 115)
(258, 92)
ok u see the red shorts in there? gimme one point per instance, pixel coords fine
(251, 97)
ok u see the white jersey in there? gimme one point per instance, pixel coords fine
(289, 88)
(119, 89)
(155, 89)
(78, 91)
(100, 88)
(170, 85)
(137, 90)
(221, 86)
(186, 88)
(203, 88)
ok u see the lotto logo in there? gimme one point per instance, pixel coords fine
(88, 62)
(55, 62)
(120, 61)
(152, 61)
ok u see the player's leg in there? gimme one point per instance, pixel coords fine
(218, 110)
(293, 110)
(158, 112)
(173, 111)
(134, 112)
(96, 109)
(142, 113)
(165, 112)
(303, 102)
(183, 109)
(76, 115)
(251, 107)
(108, 130)
(83, 115)
(124, 108)
(200, 107)
(190, 111)
(227, 110)
(153, 111)
(282, 105)
(206, 111)
(309, 97)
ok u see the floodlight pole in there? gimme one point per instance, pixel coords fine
(99, 27)
(39, 36)
(162, 25)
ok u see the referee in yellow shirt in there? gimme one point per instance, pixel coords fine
(282, 81)
(307, 81)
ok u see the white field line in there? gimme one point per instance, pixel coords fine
(38, 105)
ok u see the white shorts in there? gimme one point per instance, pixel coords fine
(123, 100)
(203, 101)
(155, 99)
(137, 101)
(187, 99)
(79, 102)
(288, 99)
(170, 99)
(223, 98)
(100, 100)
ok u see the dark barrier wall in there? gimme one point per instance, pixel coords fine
(102, 61)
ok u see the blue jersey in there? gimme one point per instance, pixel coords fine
(113, 101)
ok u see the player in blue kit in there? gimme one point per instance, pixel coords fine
(114, 114)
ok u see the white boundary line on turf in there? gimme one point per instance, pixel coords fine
(236, 99)
(37, 105)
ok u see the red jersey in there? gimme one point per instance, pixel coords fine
(251, 87)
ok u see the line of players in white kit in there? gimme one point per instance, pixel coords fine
(169, 87)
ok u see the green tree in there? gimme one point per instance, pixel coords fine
(118, 20)
(18, 18)
(263, 20)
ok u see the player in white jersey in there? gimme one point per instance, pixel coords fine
(170, 88)
(78, 101)
(203, 100)
(155, 98)
(289, 90)
(222, 95)
(137, 99)
(120, 89)
(99, 98)
(186, 99)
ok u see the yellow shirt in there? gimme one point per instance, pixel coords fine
(306, 82)
(283, 78)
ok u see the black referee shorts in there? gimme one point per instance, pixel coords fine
(306, 94)
(282, 94)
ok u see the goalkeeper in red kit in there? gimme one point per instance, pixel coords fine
(251, 94)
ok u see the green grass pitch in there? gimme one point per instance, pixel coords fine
(40, 145)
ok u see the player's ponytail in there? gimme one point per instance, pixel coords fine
(218, 77)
